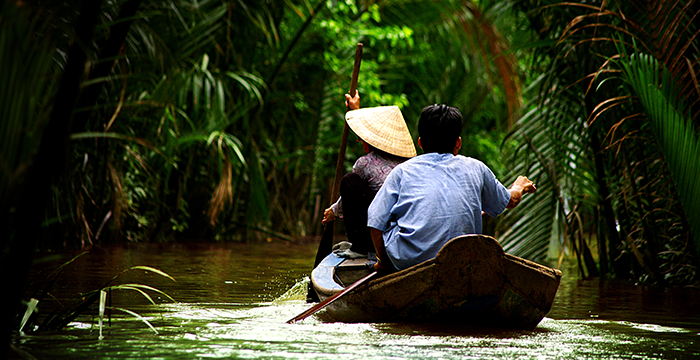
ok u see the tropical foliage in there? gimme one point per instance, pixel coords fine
(612, 138)
(196, 119)
(154, 120)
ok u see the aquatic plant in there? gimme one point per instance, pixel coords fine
(64, 314)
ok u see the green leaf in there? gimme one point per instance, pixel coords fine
(138, 317)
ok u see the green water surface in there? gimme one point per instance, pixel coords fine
(233, 301)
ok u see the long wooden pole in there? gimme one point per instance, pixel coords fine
(346, 128)
(318, 307)
(326, 243)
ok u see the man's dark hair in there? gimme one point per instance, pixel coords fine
(439, 127)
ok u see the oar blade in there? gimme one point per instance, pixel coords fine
(318, 307)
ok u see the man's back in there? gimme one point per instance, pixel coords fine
(430, 199)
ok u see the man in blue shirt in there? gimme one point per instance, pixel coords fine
(436, 196)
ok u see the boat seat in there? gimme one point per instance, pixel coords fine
(351, 270)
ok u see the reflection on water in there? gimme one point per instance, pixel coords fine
(234, 301)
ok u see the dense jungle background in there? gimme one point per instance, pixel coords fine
(212, 120)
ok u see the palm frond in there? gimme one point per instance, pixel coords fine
(626, 201)
(673, 128)
(555, 155)
(26, 88)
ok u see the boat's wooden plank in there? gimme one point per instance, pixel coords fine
(381, 300)
(517, 311)
(350, 263)
(470, 266)
(348, 275)
(533, 281)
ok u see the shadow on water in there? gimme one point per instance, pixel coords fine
(438, 329)
(614, 300)
(233, 301)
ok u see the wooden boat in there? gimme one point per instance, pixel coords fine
(471, 281)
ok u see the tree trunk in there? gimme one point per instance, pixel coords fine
(608, 224)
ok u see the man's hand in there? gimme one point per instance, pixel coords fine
(352, 103)
(328, 216)
(525, 184)
(521, 186)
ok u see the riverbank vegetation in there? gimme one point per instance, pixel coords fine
(611, 134)
(166, 120)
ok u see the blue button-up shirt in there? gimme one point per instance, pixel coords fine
(430, 199)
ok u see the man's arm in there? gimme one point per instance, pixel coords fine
(520, 187)
(378, 241)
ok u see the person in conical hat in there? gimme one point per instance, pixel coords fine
(387, 143)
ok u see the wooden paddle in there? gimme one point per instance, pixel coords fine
(331, 299)
(324, 247)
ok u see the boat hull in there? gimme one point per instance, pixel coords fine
(470, 281)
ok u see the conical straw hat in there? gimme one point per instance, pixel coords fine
(384, 128)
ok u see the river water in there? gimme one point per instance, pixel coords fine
(233, 301)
